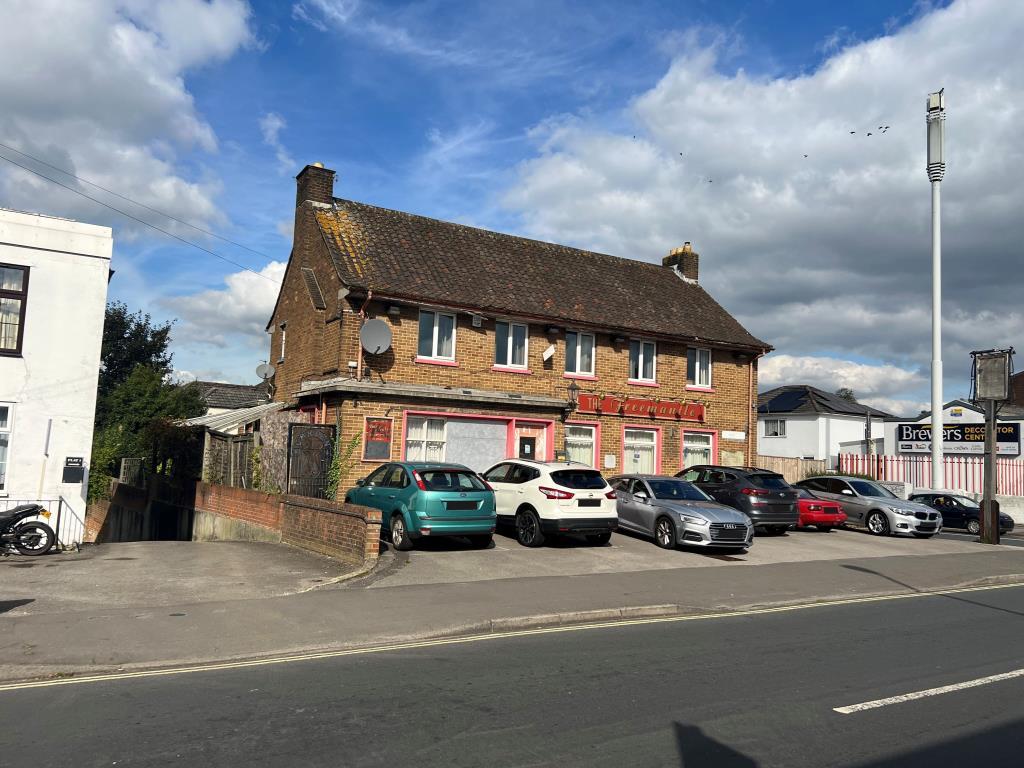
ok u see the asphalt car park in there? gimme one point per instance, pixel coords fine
(453, 560)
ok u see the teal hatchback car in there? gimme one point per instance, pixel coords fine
(421, 499)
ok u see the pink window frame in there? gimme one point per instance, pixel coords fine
(510, 437)
(714, 443)
(597, 438)
(657, 444)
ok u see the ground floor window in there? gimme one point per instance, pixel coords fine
(697, 448)
(639, 447)
(425, 439)
(581, 444)
(6, 415)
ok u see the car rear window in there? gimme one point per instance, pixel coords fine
(580, 479)
(451, 480)
(765, 480)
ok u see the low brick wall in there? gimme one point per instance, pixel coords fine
(345, 531)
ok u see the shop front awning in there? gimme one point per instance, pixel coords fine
(431, 392)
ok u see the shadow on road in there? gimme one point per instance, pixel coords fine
(698, 750)
(8, 605)
(912, 588)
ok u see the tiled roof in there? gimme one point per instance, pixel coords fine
(219, 395)
(403, 256)
(313, 288)
(803, 398)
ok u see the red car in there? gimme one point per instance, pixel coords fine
(822, 514)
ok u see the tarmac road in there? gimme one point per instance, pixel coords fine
(758, 689)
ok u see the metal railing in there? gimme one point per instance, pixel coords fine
(67, 524)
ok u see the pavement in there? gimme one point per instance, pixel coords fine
(918, 682)
(159, 573)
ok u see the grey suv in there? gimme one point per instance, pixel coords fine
(870, 505)
(765, 497)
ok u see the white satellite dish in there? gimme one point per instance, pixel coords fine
(265, 370)
(375, 337)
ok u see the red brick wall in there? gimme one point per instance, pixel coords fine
(345, 531)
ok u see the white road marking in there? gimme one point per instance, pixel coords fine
(929, 692)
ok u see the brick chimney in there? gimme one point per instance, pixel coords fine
(685, 259)
(315, 183)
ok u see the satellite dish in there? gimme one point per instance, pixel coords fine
(264, 370)
(375, 337)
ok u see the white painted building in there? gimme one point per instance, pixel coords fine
(53, 293)
(804, 422)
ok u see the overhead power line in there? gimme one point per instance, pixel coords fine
(136, 218)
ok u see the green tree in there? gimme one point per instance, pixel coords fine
(846, 394)
(136, 404)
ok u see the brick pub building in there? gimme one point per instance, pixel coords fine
(503, 346)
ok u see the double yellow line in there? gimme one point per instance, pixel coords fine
(465, 639)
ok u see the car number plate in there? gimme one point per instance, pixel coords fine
(590, 502)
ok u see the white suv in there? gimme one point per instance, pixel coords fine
(551, 498)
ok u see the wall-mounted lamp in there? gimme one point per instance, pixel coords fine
(551, 330)
(574, 395)
(394, 310)
(619, 339)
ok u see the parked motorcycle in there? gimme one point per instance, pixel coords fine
(29, 538)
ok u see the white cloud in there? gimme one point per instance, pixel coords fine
(232, 317)
(827, 253)
(97, 87)
(831, 373)
(271, 125)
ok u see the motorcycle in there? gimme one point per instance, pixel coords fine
(29, 538)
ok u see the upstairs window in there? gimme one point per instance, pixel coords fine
(510, 344)
(579, 353)
(13, 298)
(774, 427)
(698, 367)
(284, 333)
(643, 360)
(437, 335)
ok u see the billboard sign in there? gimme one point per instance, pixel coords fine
(958, 439)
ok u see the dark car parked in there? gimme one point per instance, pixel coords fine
(960, 511)
(765, 497)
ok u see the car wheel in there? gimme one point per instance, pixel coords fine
(664, 533)
(878, 524)
(399, 535)
(974, 527)
(481, 542)
(599, 539)
(528, 531)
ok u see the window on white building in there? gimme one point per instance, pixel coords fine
(697, 448)
(13, 298)
(424, 439)
(579, 353)
(774, 427)
(580, 444)
(510, 344)
(437, 335)
(6, 420)
(643, 360)
(698, 367)
(640, 451)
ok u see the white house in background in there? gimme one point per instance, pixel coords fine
(53, 292)
(963, 428)
(804, 422)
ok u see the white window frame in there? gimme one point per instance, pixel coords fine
(780, 430)
(284, 334)
(7, 430)
(455, 326)
(581, 441)
(576, 362)
(710, 436)
(655, 444)
(422, 440)
(508, 345)
(641, 359)
(693, 377)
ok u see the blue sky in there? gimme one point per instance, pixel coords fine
(557, 120)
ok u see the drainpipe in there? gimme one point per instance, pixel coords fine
(751, 419)
(362, 319)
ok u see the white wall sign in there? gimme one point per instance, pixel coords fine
(609, 461)
(731, 434)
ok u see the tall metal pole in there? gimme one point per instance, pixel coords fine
(989, 507)
(935, 121)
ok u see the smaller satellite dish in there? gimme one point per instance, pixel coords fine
(549, 353)
(375, 337)
(264, 370)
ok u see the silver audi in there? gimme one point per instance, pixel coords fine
(674, 512)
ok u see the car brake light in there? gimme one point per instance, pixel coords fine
(754, 492)
(814, 507)
(611, 495)
(419, 480)
(554, 493)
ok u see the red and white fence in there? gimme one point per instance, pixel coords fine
(962, 473)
